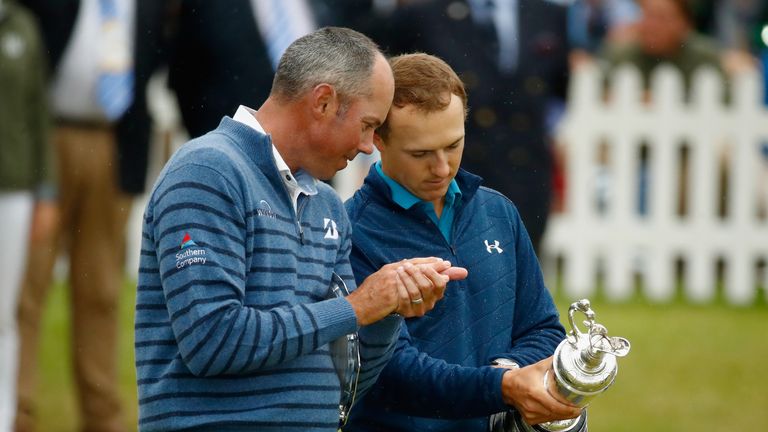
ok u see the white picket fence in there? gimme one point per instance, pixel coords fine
(622, 242)
(618, 239)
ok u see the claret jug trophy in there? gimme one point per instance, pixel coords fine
(584, 366)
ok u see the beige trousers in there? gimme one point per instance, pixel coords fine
(93, 217)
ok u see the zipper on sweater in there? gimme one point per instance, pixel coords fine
(456, 220)
(440, 234)
(301, 232)
(302, 203)
(429, 221)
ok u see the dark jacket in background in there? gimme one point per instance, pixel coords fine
(220, 60)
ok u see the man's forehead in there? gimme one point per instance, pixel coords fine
(374, 110)
(414, 139)
(432, 142)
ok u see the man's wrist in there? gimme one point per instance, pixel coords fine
(509, 365)
(505, 363)
(505, 368)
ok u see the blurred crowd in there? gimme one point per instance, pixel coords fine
(75, 128)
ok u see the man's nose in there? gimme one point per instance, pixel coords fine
(366, 144)
(440, 166)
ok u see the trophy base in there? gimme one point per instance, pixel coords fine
(511, 421)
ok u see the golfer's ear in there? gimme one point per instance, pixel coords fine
(325, 100)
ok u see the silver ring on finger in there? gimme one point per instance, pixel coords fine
(417, 301)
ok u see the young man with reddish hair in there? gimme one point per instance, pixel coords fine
(485, 347)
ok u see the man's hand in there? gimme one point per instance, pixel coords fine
(524, 389)
(409, 287)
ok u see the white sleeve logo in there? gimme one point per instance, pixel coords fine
(491, 247)
(331, 232)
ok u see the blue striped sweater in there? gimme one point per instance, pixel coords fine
(233, 310)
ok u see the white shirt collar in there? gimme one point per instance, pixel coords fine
(302, 182)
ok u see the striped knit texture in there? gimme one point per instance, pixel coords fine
(233, 308)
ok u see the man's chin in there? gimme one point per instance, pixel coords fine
(435, 189)
(326, 175)
(341, 165)
(432, 195)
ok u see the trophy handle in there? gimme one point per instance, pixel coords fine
(596, 334)
(619, 346)
(584, 307)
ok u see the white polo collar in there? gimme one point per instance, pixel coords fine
(301, 182)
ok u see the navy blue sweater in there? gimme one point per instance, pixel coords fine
(233, 309)
(440, 366)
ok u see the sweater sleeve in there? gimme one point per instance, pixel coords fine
(204, 280)
(420, 385)
(536, 328)
(417, 384)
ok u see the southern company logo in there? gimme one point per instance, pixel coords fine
(190, 255)
(187, 241)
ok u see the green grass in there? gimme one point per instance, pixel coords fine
(691, 368)
(56, 399)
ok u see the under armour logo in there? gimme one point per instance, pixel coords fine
(491, 247)
(330, 229)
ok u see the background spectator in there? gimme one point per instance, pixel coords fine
(26, 180)
(214, 67)
(592, 22)
(666, 35)
(102, 52)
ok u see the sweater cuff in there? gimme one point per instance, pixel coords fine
(384, 331)
(495, 396)
(335, 315)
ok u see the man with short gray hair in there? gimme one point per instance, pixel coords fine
(244, 251)
(345, 62)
